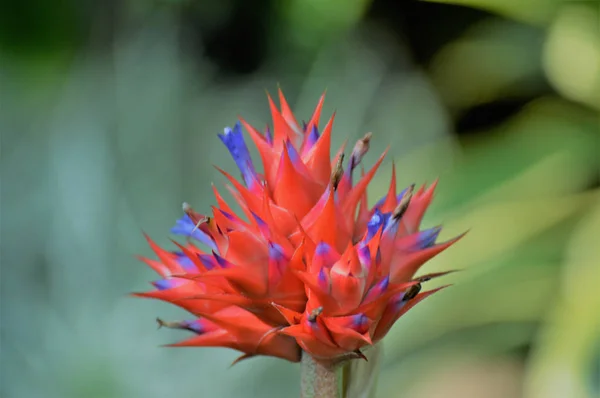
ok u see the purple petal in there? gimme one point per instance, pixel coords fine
(360, 322)
(378, 289)
(428, 237)
(293, 154)
(364, 254)
(312, 138)
(194, 326)
(322, 278)
(276, 252)
(234, 141)
(184, 226)
(164, 284)
(377, 220)
(208, 261)
(269, 136)
(185, 262)
(223, 263)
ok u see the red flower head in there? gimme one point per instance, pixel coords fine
(309, 265)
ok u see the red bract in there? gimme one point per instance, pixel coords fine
(309, 265)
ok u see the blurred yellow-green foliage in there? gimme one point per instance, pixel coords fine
(108, 117)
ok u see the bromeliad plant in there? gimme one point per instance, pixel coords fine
(310, 272)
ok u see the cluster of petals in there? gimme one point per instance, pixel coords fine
(306, 264)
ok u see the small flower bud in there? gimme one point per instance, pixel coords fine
(411, 292)
(337, 172)
(403, 204)
(315, 313)
(360, 150)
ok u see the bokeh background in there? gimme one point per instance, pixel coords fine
(109, 114)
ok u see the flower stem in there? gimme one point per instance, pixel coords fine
(318, 380)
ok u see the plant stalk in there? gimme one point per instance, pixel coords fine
(319, 380)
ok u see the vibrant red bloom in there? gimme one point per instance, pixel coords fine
(310, 266)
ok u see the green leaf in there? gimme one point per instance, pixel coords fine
(538, 12)
(310, 21)
(564, 353)
(572, 53)
(494, 58)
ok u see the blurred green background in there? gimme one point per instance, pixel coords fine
(109, 114)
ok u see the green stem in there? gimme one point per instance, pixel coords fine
(318, 380)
